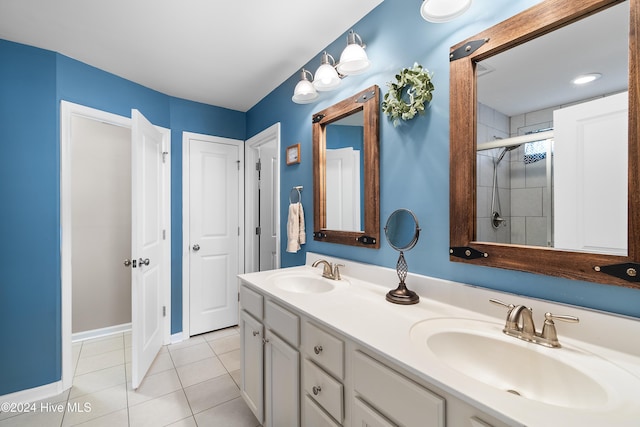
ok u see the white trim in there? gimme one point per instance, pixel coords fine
(67, 110)
(101, 332)
(251, 188)
(186, 170)
(31, 395)
(176, 338)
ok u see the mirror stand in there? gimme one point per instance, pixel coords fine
(402, 232)
(401, 294)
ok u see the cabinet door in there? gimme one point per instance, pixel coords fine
(252, 364)
(282, 383)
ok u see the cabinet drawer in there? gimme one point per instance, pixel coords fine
(324, 349)
(395, 396)
(324, 389)
(314, 416)
(364, 415)
(282, 322)
(251, 301)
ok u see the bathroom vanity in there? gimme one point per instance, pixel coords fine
(321, 352)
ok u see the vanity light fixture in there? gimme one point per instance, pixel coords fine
(326, 77)
(304, 91)
(586, 78)
(353, 59)
(443, 10)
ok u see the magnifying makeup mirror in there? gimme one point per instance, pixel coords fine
(402, 232)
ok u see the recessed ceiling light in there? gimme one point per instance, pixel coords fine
(443, 10)
(586, 78)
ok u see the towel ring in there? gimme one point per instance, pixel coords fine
(295, 192)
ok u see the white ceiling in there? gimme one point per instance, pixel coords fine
(538, 74)
(225, 53)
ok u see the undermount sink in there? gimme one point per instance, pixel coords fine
(567, 377)
(302, 283)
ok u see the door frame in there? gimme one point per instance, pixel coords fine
(67, 111)
(186, 212)
(251, 194)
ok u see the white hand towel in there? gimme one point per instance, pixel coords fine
(302, 238)
(293, 228)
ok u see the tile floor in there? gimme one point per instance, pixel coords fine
(191, 383)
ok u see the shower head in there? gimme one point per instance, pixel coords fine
(505, 150)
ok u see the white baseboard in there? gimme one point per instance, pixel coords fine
(102, 332)
(176, 338)
(33, 394)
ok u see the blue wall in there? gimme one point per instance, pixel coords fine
(32, 84)
(414, 157)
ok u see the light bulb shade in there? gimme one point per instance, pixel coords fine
(353, 60)
(304, 91)
(326, 78)
(443, 10)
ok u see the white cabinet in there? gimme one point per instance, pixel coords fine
(270, 367)
(282, 383)
(337, 382)
(394, 395)
(251, 363)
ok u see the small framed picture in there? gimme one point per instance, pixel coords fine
(293, 154)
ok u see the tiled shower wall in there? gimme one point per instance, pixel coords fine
(522, 189)
(492, 125)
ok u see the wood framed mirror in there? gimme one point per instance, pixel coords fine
(471, 59)
(346, 171)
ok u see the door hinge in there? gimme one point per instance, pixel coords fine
(164, 234)
(258, 230)
(238, 163)
(238, 296)
(164, 311)
(164, 156)
(238, 231)
(258, 165)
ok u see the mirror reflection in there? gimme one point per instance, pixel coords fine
(345, 169)
(402, 230)
(552, 156)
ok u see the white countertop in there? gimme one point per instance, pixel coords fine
(358, 309)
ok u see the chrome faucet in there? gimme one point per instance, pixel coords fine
(520, 324)
(329, 271)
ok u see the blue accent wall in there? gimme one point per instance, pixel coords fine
(32, 84)
(414, 157)
(30, 319)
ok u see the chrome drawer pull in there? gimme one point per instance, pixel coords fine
(316, 390)
(317, 349)
(256, 333)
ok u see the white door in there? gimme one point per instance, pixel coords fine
(262, 198)
(146, 246)
(214, 234)
(590, 176)
(343, 189)
(268, 225)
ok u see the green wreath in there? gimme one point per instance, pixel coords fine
(412, 82)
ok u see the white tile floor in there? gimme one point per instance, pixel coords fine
(192, 383)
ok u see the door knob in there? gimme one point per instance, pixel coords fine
(127, 262)
(143, 261)
(196, 247)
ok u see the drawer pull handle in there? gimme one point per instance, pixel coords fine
(265, 340)
(256, 333)
(316, 390)
(317, 349)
